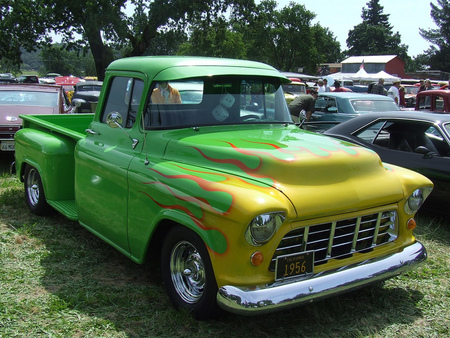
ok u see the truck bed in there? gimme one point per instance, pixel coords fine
(72, 125)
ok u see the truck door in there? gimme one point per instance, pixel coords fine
(102, 160)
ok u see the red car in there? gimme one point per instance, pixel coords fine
(18, 98)
(433, 100)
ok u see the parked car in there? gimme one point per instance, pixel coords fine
(333, 108)
(433, 100)
(293, 89)
(85, 96)
(28, 79)
(414, 140)
(16, 99)
(410, 95)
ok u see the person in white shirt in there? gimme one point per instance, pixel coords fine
(321, 86)
(394, 93)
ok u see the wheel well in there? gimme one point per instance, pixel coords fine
(155, 245)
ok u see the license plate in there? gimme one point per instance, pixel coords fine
(294, 265)
(7, 146)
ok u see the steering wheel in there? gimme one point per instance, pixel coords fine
(250, 117)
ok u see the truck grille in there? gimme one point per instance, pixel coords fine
(339, 239)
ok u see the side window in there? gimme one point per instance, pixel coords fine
(124, 97)
(372, 135)
(438, 103)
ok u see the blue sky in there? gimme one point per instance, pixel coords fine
(406, 17)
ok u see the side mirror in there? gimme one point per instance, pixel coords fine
(332, 110)
(114, 119)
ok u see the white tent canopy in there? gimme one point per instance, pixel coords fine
(363, 76)
(386, 76)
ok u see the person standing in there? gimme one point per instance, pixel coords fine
(401, 91)
(321, 86)
(304, 102)
(325, 84)
(421, 86)
(428, 85)
(394, 93)
(378, 88)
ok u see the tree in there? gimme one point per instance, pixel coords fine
(437, 56)
(374, 35)
(22, 27)
(286, 38)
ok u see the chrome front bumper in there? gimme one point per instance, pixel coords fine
(283, 295)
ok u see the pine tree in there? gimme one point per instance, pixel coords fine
(374, 36)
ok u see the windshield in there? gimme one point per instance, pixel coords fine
(28, 98)
(216, 101)
(361, 106)
(294, 88)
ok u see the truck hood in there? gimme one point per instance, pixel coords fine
(306, 167)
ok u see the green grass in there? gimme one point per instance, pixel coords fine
(59, 280)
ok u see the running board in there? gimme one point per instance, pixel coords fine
(68, 208)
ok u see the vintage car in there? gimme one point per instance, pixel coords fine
(85, 96)
(410, 95)
(293, 89)
(414, 140)
(28, 79)
(433, 100)
(241, 209)
(17, 99)
(333, 108)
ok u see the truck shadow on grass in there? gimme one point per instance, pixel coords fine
(90, 277)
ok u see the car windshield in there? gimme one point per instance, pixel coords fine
(89, 88)
(28, 98)
(294, 88)
(411, 90)
(447, 128)
(361, 106)
(216, 100)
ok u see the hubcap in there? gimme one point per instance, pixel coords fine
(33, 187)
(187, 272)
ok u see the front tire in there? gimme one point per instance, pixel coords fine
(187, 273)
(34, 192)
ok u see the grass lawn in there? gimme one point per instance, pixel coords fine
(59, 280)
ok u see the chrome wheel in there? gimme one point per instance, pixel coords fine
(187, 272)
(32, 186)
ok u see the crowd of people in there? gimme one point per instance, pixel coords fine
(304, 104)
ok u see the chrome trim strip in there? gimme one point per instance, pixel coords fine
(283, 295)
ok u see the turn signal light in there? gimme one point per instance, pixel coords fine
(257, 258)
(411, 224)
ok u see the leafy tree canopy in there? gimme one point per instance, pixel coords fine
(437, 56)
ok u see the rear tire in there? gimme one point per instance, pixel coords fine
(34, 192)
(187, 273)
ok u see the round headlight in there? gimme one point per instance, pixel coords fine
(416, 200)
(263, 227)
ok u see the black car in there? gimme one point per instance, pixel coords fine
(415, 140)
(85, 96)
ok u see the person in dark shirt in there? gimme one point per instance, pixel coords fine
(306, 103)
(379, 88)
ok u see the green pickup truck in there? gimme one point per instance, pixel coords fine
(195, 162)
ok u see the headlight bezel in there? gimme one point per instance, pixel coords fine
(263, 227)
(416, 200)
